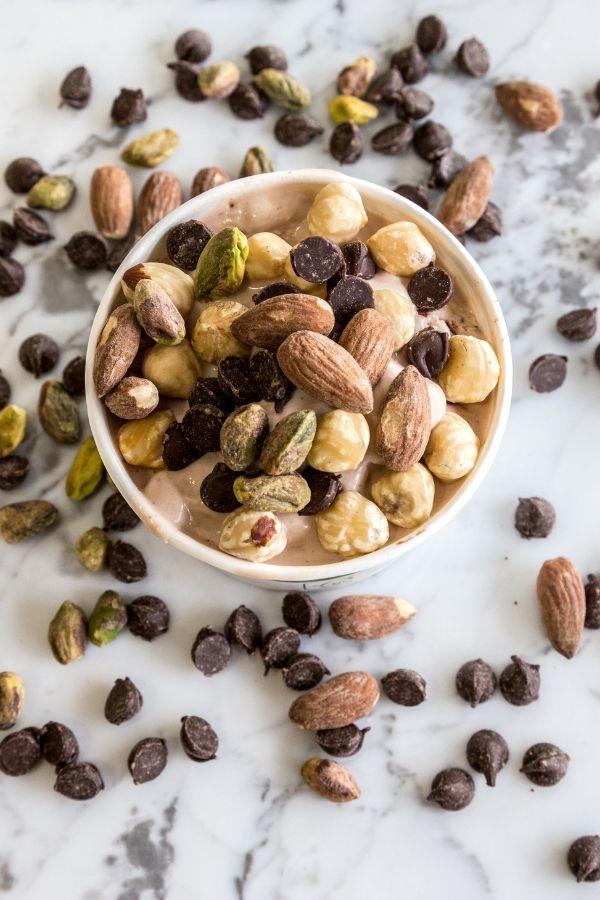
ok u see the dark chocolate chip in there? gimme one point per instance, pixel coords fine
(520, 682)
(216, 490)
(266, 57)
(73, 376)
(243, 629)
(475, 682)
(578, 325)
(87, 250)
(344, 741)
(487, 752)
(4, 391)
(348, 297)
(592, 602)
(324, 488)
(393, 138)
(385, 88)
(12, 276)
(148, 617)
(76, 88)
(125, 562)
(597, 357)
(413, 104)
(236, 381)
(415, 193)
(452, 789)
(20, 752)
(120, 251)
(193, 45)
(428, 351)
(545, 764)
(198, 739)
(201, 426)
(411, 63)
(304, 671)
(346, 143)
(431, 34)
(211, 652)
(147, 760)
(117, 515)
(547, 373)
(316, 259)
(488, 226)
(124, 701)
(272, 384)
(58, 744)
(535, 517)
(301, 612)
(79, 781)
(128, 107)
(278, 646)
(472, 58)
(207, 390)
(583, 858)
(38, 354)
(430, 288)
(296, 129)
(30, 227)
(358, 259)
(8, 238)
(446, 168)
(405, 687)
(431, 141)
(275, 290)
(248, 102)
(22, 173)
(13, 471)
(177, 452)
(186, 80)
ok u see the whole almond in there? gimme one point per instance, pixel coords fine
(111, 201)
(161, 194)
(132, 398)
(531, 105)
(326, 371)
(208, 178)
(269, 323)
(117, 348)
(369, 339)
(336, 702)
(405, 423)
(368, 617)
(561, 597)
(467, 197)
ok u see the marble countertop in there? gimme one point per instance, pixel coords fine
(244, 826)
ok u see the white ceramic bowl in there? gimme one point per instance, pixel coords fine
(452, 256)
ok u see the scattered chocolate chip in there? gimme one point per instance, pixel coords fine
(547, 373)
(545, 764)
(248, 102)
(58, 744)
(120, 251)
(324, 488)
(198, 739)
(177, 451)
(243, 629)
(301, 612)
(405, 687)
(148, 617)
(415, 193)
(38, 354)
(348, 297)
(487, 752)
(147, 760)
(535, 517)
(431, 34)
(385, 88)
(124, 701)
(4, 391)
(446, 168)
(186, 80)
(431, 141)
(8, 238)
(428, 351)
(597, 357)
(583, 858)
(346, 143)
(304, 671)
(592, 602)
(30, 227)
(266, 57)
(128, 107)
(22, 173)
(201, 426)
(13, 471)
(430, 288)
(79, 781)
(73, 376)
(344, 741)
(20, 752)
(125, 562)
(216, 490)
(117, 515)
(411, 63)
(296, 129)
(270, 381)
(211, 652)
(316, 259)
(520, 682)
(193, 45)
(393, 138)
(76, 88)
(578, 325)
(207, 390)
(235, 380)
(87, 250)
(275, 290)
(488, 226)
(358, 259)
(278, 646)
(12, 276)
(452, 789)
(475, 682)
(413, 104)
(473, 58)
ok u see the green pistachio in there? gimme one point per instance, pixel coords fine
(12, 698)
(219, 79)
(58, 413)
(157, 314)
(241, 436)
(283, 89)
(67, 633)
(91, 549)
(220, 269)
(86, 471)
(19, 521)
(288, 445)
(13, 426)
(256, 161)
(346, 108)
(53, 192)
(273, 493)
(151, 149)
(108, 619)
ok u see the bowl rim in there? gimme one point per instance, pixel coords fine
(323, 572)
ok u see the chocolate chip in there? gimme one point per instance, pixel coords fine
(87, 250)
(547, 373)
(488, 226)
(597, 357)
(535, 517)
(348, 297)
(30, 227)
(207, 390)
(446, 168)
(243, 629)
(578, 325)
(177, 451)
(344, 741)
(475, 682)
(411, 63)
(124, 701)
(73, 376)
(125, 562)
(473, 58)
(211, 652)
(385, 88)
(415, 193)
(431, 34)
(128, 107)
(520, 682)
(147, 760)
(304, 671)
(428, 351)
(413, 104)
(198, 739)
(430, 288)
(324, 488)
(346, 143)
(186, 80)
(236, 381)
(452, 789)
(278, 646)
(201, 426)
(487, 752)
(58, 744)
(358, 260)
(79, 781)
(20, 752)
(275, 290)
(266, 57)
(393, 138)
(316, 259)
(216, 490)
(270, 381)
(301, 612)
(22, 173)
(296, 129)
(545, 764)
(12, 276)
(431, 141)
(4, 391)
(120, 251)
(13, 471)
(38, 354)
(8, 238)
(405, 687)
(193, 45)
(592, 602)
(583, 858)
(76, 88)
(148, 617)
(248, 102)
(117, 515)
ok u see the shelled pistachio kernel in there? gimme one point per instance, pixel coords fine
(253, 535)
(151, 149)
(212, 339)
(86, 472)
(267, 253)
(12, 698)
(401, 248)
(221, 265)
(341, 441)
(141, 441)
(256, 161)
(108, 619)
(157, 314)
(241, 435)
(305, 287)
(352, 525)
(58, 413)
(398, 309)
(337, 212)
(67, 633)
(288, 445)
(20, 521)
(452, 449)
(173, 370)
(13, 427)
(472, 370)
(275, 493)
(405, 498)
(53, 192)
(91, 549)
(282, 88)
(347, 108)
(177, 284)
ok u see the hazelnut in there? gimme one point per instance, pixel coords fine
(401, 313)
(452, 449)
(472, 370)
(141, 442)
(267, 253)
(212, 339)
(352, 525)
(253, 535)
(405, 498)
(337, 212)
(341, 441)
(173, 369)
(401, 248)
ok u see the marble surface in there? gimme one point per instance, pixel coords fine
(244, 826)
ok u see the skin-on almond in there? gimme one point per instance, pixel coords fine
(117, 347)
(531, 105)
(467, 196)
(336, 702)
(132, 398)
(561, 597)
(111, 201)
(369, 338)
(368, 617)
(269, 323)
(405, 423)
(326, 371)
(160, 195)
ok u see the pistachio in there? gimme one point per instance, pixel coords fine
(13, 426)
(67, 633)
(53, 192)
(141, 442)
(212, 339)
(108, 619)
(241, 435)
(117, 348)
(86, 471)
(219, 79)
(346, 108)
(289, 443)
(282, 88)
(19, 521)
(151, 149)
(330, 779)
(91, 549)
(58, 413)
(132, 398)
(177, 284)
(256, 161)
(277, 493)
(220, 269)
(12, 697)
(173, 370)
(356, 78)
(157, 314)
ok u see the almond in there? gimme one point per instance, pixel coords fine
(467, 196)
(111, 201)
(367, 617)
(269, 323)
(178, 285)
(561, 597)
(531, 105)
(326, 371)
(116, 349)
(336, 702)
(161, 194)
(405, 423)
(369, 339)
